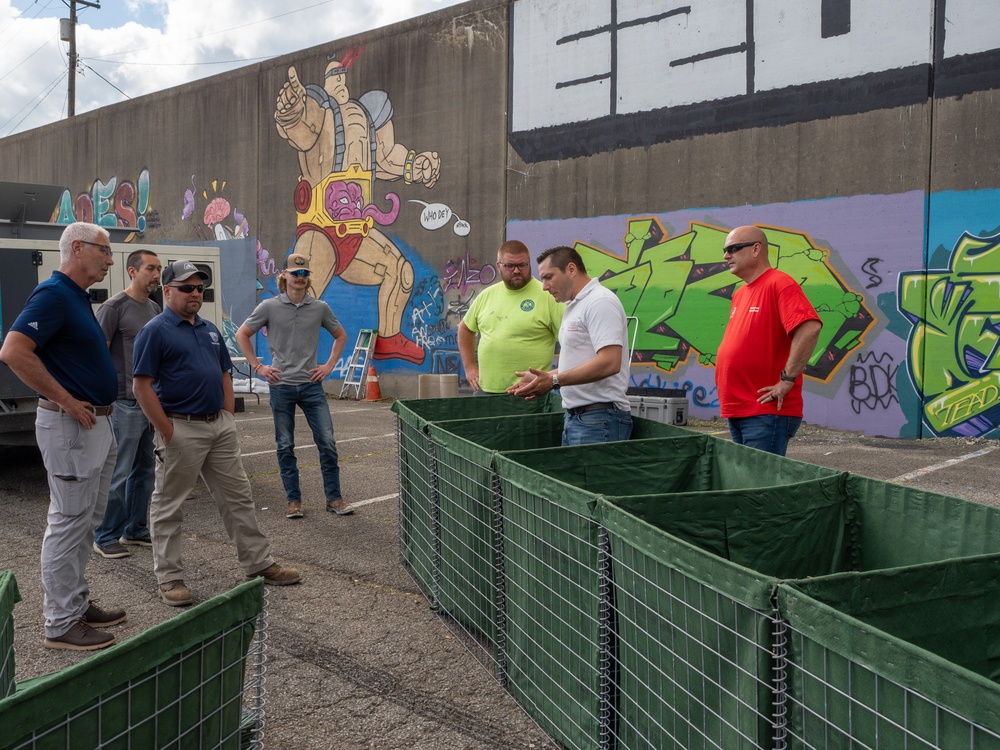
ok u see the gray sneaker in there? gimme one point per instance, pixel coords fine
(112, 550)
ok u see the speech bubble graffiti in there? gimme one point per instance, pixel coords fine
(462, 227)
(434, 216)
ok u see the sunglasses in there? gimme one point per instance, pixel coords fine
(188, 288)
(300, 273)
(512, 266)
(737, 246)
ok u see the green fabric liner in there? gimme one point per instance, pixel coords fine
(419, 412)
(949, 527)
(9, 596)
(744, 585)
(789, 531)
(32, 707)
(971, 696)
(949, 608)
(551, 590)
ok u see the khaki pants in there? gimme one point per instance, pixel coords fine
(212, 450)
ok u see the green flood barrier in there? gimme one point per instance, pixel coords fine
(418, 533)
(898, 658)
(178, 684)
(679, 591)
(466, 503)
(9, 596)
(659, 610)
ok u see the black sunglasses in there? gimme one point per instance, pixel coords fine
(188, 288)
(736, 246)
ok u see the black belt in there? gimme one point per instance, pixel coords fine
(590, 407)
(195, 417)
(99, 411)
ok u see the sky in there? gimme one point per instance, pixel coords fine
(128, 48)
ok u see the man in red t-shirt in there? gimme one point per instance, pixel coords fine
(772, 333)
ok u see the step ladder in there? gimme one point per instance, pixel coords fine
(356, 378)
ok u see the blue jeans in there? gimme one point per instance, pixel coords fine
(311, 398)
(132, 480)
(597, 426)
(768, 432)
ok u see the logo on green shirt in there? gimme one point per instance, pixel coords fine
(528, 305)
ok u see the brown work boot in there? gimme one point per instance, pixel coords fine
(96, 617)
(175, 594)
(80, 637)
(294, 510)
(277, 575)
(339, 506)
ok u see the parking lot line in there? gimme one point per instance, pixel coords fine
(313, 445)
(944, 464)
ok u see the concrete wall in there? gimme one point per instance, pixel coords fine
(862, 135)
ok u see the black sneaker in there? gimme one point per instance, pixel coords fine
(80, 637)
(112, 550)
(144, 540)
(96, 617)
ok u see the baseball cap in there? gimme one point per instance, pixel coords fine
(181, 270)
(296, 261)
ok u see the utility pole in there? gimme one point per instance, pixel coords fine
(69, 35)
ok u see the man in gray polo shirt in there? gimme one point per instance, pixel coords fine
(121, 318)
(294, 319)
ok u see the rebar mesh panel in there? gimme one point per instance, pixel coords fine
(693, 665)
(854, 684)
(177, 685)
(9, 596)
(417, 504)
(553, 613)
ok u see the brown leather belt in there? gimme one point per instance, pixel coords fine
(195, 417)
(99, 411)
(590, 407)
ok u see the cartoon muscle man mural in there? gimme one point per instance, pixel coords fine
(343, 145)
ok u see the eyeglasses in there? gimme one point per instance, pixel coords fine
(106, 249)
(512, 266)
(300, 273)
(736, 246)
(188, 288)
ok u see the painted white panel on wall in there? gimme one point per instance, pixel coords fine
(971, 26)
(674, 60)
(553, 82)
(884, 35)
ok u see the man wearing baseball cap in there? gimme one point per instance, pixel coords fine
(294, 319)
(181, 378)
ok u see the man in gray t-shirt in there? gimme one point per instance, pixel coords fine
(294, 319)
(121, 318)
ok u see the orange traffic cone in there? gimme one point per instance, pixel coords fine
(372, 391)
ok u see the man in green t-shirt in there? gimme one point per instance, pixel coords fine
(517, 322)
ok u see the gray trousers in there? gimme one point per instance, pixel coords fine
(79, 464)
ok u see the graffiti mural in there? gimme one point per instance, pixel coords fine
(344, 146)
(115, 203)
(679, 290)
(955, 338)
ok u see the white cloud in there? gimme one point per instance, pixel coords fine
(159, 44)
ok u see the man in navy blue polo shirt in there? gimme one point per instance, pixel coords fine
(181, 379)
(57, 348)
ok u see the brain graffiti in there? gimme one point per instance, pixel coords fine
(955, 339)
(679, 289)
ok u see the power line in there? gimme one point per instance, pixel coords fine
(105, 80)
(179, 65)
(41, 98)
(44, 44)
(19, 17)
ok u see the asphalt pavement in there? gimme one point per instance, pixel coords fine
(357, 659)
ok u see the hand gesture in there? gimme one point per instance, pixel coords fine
(426, 168)
(291, 104)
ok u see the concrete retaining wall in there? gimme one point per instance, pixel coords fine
(862, 136)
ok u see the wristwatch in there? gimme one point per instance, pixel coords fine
(784, 376)
(555, 380)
